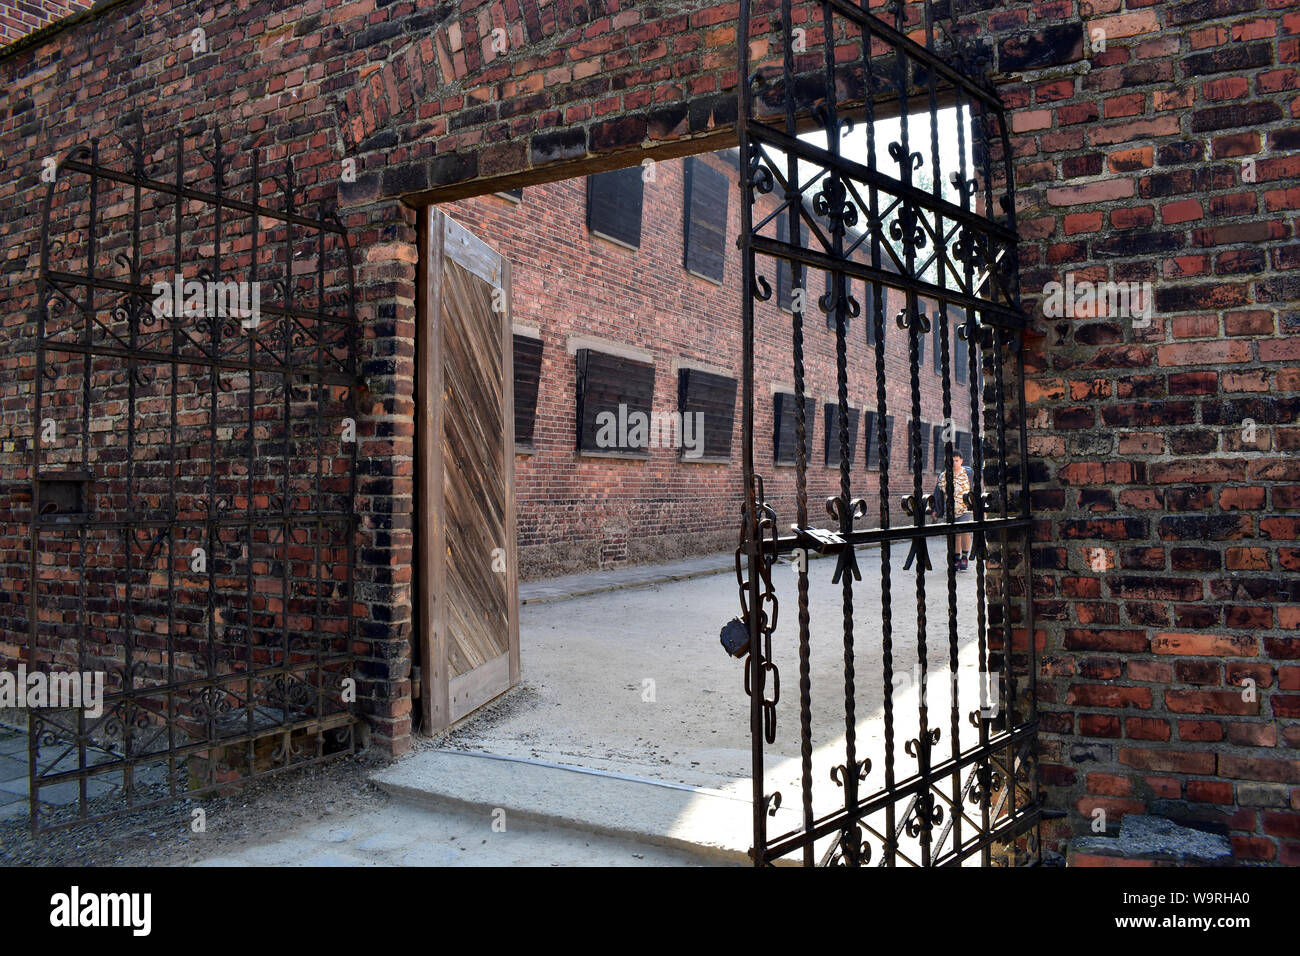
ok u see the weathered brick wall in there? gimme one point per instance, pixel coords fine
(417, 97)
(1167, 482)
(20, 18)
(1131, 170)
(568, 282)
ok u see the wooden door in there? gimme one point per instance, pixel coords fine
(467, 611)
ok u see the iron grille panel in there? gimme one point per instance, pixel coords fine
(842, 149)
(207, 571)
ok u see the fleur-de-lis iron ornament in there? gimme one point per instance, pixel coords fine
(831, 202)
(908, 224)
(968, 249)
(925, 815)
(927, 740)
(822, 116)
(835, 505)
(899, 156)
(989, 782)
(851, 849)
(840, 773)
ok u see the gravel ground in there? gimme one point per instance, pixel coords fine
(256, 814)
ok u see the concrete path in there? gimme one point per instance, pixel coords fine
(407, 834)
(641, 575)
(634, 682)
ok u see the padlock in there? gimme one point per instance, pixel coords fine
(735, 637)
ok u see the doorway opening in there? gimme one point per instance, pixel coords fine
(628, 424)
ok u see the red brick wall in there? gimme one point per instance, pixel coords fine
(1134, 172)
(569, 282)
(1136, 430)
(20, 18)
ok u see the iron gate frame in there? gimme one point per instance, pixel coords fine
(998, 775)
(284, 703)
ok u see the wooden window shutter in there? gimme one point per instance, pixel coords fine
(869, 311)
(961, 360)
(708, 192)
(528, 374)
(938, 448)
(614, 205)
(832, 432)
(912, 450)
(870, 446)
(610, 385)
(713, 397)
(938, 341)
(785, 421)
(786, 271)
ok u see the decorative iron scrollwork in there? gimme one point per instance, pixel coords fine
(831, 203)
(911, 230)
(760, 177)
(926, 740)
(851, 849)
(908, 224)
(897, 153)
(925, 815)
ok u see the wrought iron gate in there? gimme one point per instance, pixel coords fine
(878, 213)
(193, 477)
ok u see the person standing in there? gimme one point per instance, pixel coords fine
(962, 481)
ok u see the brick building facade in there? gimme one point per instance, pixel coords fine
(1155, 142)
(575, 289)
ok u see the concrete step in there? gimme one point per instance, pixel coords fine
(715, 825)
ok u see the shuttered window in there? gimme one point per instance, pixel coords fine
(614, 398)
(869, 449)
(869, 311)
(832, 432)
(614, 205)
(912, 437)
(528, 373)
(785, 270)
(713, 399)
(784, 417)
(964, 448)
(961, 359)
(707, 194)
(938, 341)
(873, 441)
